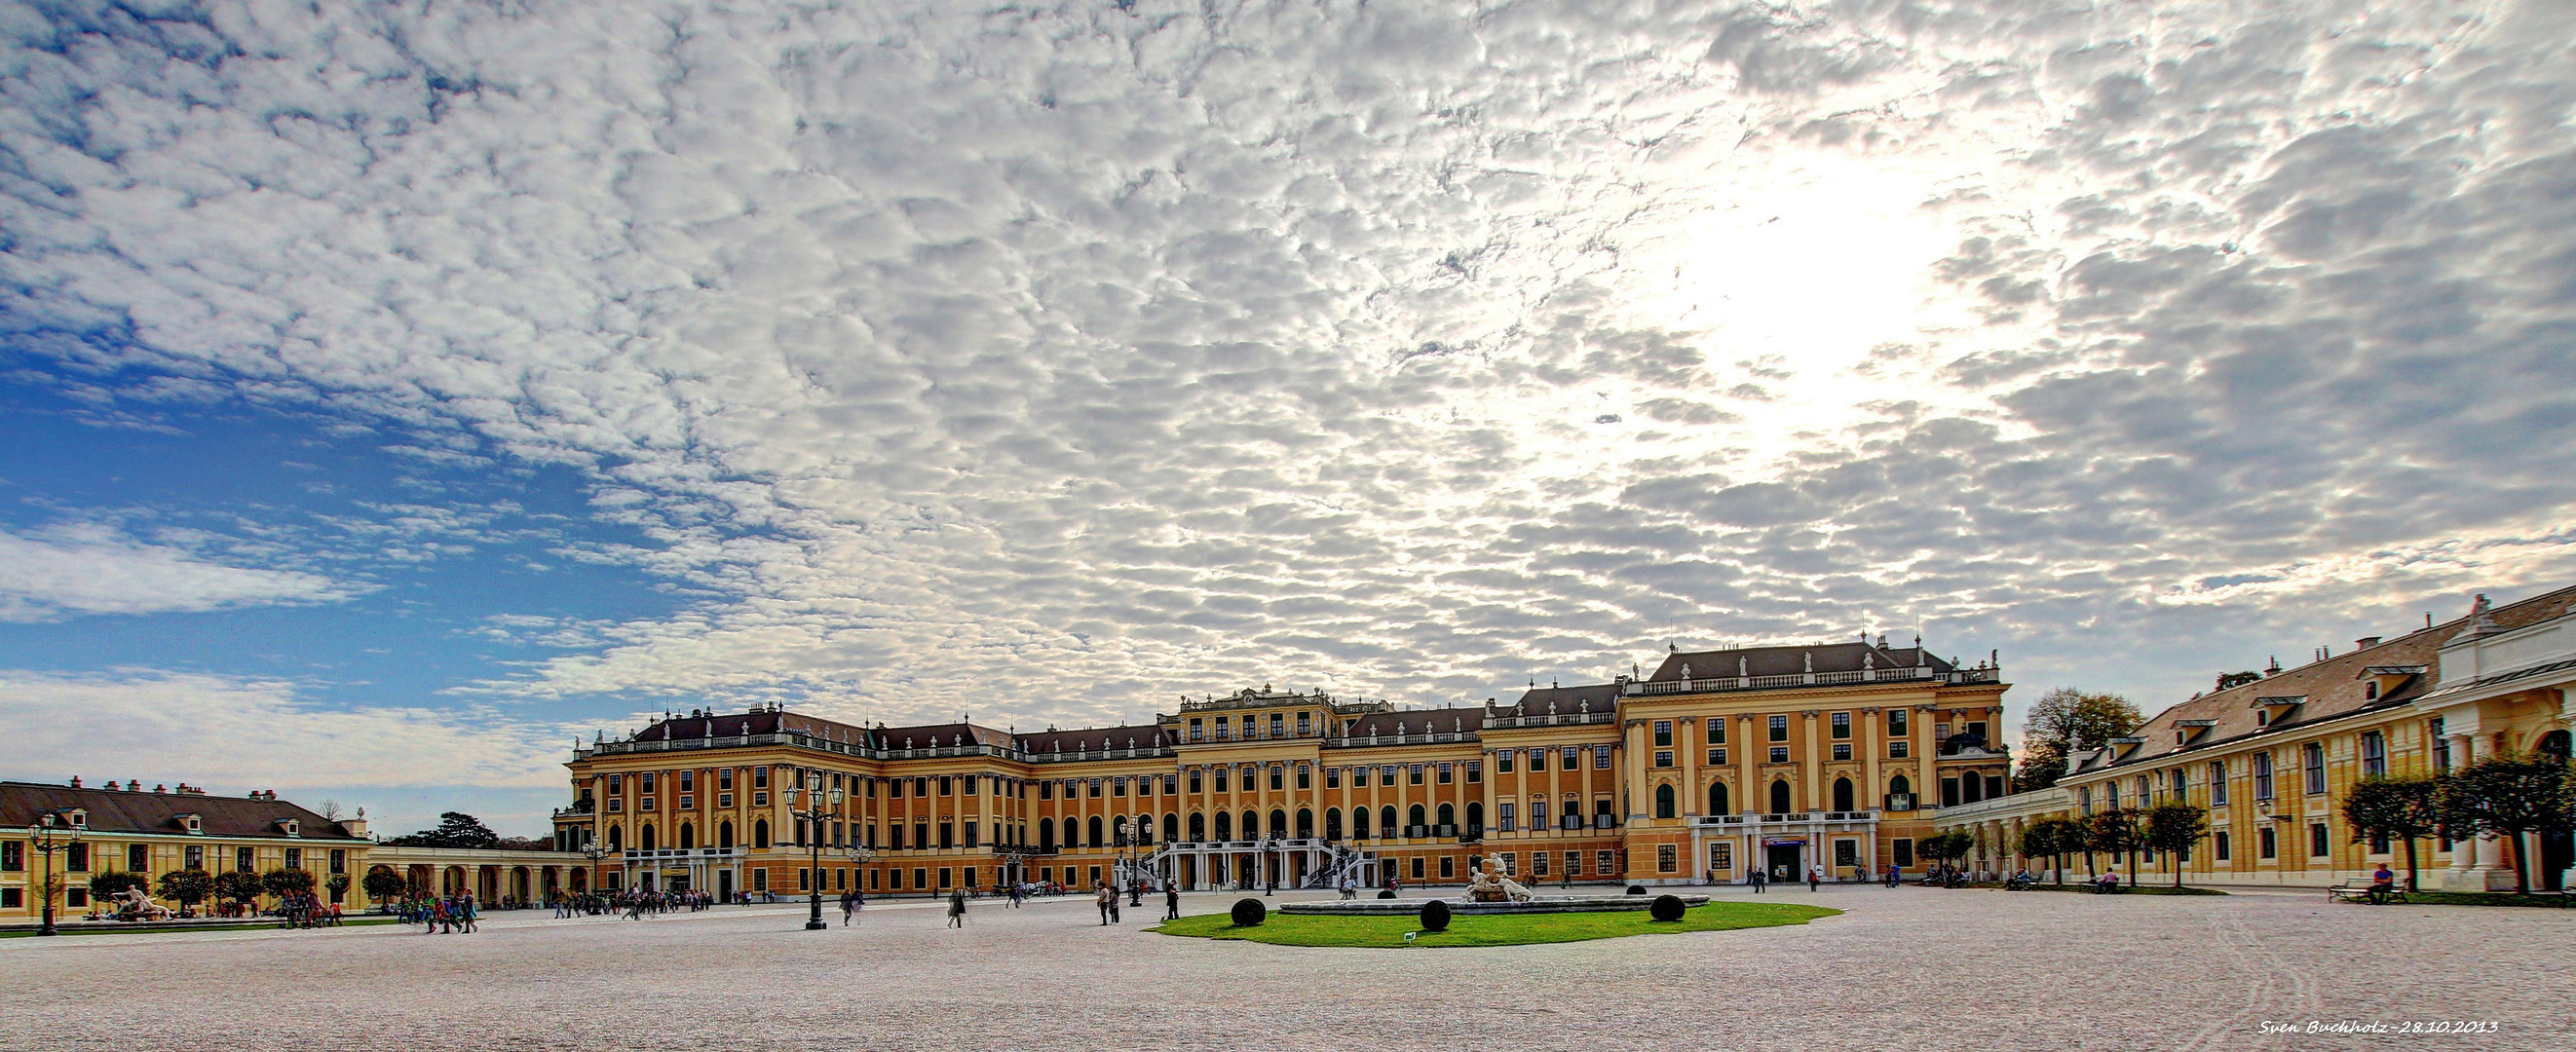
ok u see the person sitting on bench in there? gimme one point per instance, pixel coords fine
(2382, 883)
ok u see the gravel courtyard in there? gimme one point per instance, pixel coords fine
(1911, 968)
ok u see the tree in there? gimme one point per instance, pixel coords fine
(187, 887)
(2120, 831)
(238, 885)
(2233, 680)
(2052, 839)
(113, 883)
(2508, 796)
(455, 829)
(329, 810)
(1944, 847)
(283, 882)
(383, 884)
(2173, 828)
(338, 885)
(2407, 809)
(2067, 721)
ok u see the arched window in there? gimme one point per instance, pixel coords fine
(1095, 833)
(724, 834)
(1900, 784)
(1305, 823)
(1198, 827)
(1386, 820)
(1842, 794)
(616, 838)
(1359, 823)
(1251, 825)
(760, 833)
(1663, 801)
(647, 842)
(1475, 816)
(1448, 816)
(1332, 823)
(688, 836)
(1413, 819)
(1172, 826)
(1072, 833)
(1046, 835)
(1717, 798)
(1224, 826)
(1278, 823)
(1780, 797)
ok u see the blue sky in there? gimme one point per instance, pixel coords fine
(389, 396)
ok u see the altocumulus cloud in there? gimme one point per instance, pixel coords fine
(1100, 351)
(93, 570)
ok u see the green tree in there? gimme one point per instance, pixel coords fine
(2407, 809)
(238, 885)
(285, 881)
(338, 886)
(383, 884)
(115, 882)
(2233, 680)
(2067, 721)
(2508, 796)
(2173, 828)
(2052, 839)
(455, 829)
(1945, 847)
(2120, 831)
(187, 887)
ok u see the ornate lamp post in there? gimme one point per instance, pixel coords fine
(49, 836)
(813, 817)
(591, 850)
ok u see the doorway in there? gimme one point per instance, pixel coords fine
(724, 885)
(1784, 861)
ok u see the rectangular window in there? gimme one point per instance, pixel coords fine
(1332, 778)
(1663, 732)
(1779, 754)
(688, 802)
(1663, 757)
(1305, 776)
(1779, 728)
(1221, 773)
(1717, 730)
(1896, 723)
(616, 784)
(1572, 758)
(894, 789)
(1046, 789)
(2218, 843)
(2378, 843)
(1171, 785)
(1118, 786)
(760, 777)
(1538, 863)
(2312, 760)
(1601, 757)
(2218, 785)
(974, 783)
(1721, 856)
(1305, 723)
(1198, 730)
(647, 785)
(1538, 814)
(295, 858)
(2318, 844)
(1904, 852)
(242, 859)
(1475, 771)
(2266, 843)
(13, 856)
(974, 832)
(1503, 816)
(1445, 774)
(2441, 744)
(1717, 757)
(1842, 725)
(1095, 788)
(1413, 775)
(2263, 779)
(339, 860)
(1605, 863)
(1503, 760)
(1842, 750)
(193, 858)
(138, 858)
(724, 778)
(13, 898)
(1898, 749)
(1448, 867)
(1538, 760)
(688, 781)
(1667, 858)
(2374, 754)
(947, 786)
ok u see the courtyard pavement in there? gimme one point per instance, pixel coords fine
(1905, 969)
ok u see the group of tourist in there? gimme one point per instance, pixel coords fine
(438, 914)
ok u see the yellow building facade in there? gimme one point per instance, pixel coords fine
(2273, 759)
(1783, 758)
(150, 832)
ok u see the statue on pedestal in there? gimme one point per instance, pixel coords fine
(1490, 885)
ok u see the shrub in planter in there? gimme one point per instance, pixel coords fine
(1250, 913)
(1666, 908)
(1386, 894)
(1636, 889)
(1435, 916)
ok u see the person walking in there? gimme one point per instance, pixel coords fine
(1893, 877)
(1171, 901)
(957, 908)
(848, 906)
(1815, 878)
(1758, 879)
(1101, 897)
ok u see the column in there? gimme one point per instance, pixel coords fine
(1746, 741)
(1693, 799)
(1927, 782)
(1632, 795)
(1811, 769)
(1493, 790)
(1865, 739)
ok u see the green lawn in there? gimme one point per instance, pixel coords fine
(1288, 929)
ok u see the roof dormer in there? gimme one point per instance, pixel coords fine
(191, 822)
(2382, 680)
(77, 817)
(2190, 732)
(2123, 748)
(2268, 711)
(290, 827)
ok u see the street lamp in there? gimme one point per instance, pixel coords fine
(813, 817)
(591, 850)
(48, 840)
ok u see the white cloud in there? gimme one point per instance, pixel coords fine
(93, 570)
(1075, 357)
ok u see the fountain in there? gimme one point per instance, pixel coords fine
(1489, 891)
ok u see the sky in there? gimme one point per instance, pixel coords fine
(392, 395)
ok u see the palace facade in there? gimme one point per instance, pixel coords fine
(1777, 757)
(2273, 759)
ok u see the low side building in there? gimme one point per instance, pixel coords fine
(150, 832)
(2273, 759)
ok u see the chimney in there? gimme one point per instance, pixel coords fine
(160, 788)
(76, 781)
(133, 785)
(2365, 642)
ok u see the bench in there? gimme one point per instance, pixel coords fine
(2361, 893)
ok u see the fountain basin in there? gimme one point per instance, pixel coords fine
(1541, 904)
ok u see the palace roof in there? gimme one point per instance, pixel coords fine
(1794, 660)
(2404, 669)
(1419, 721)
(1094, 739)
(133, 811)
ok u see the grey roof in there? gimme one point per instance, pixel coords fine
(118, 811)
